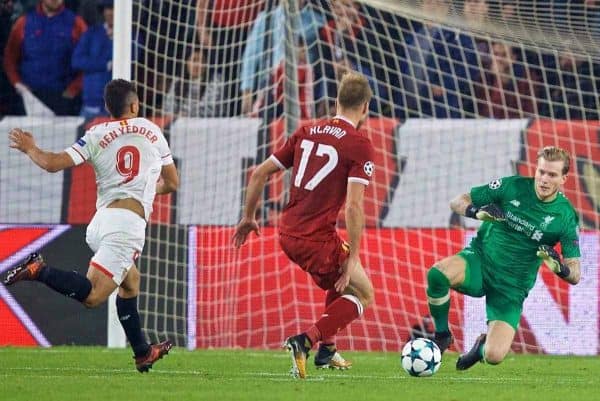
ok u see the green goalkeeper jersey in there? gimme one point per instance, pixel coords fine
(509, 247)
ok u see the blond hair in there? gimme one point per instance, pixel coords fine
(554, 153)
(353, 91)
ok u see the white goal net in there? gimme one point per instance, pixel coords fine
(465, 92)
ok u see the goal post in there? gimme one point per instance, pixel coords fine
(121, 69)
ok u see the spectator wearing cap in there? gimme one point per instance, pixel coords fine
(37, 58)
(93, 56)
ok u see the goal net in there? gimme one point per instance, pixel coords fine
(464, 92)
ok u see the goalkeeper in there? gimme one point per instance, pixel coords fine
(523, 218)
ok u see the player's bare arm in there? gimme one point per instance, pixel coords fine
(575, 270)
(355, 222)
(568, 269)
(463, 205)
(49, 161)
(257, 183)
(169, 180)
(460, 203)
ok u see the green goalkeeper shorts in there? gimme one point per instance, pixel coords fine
(501, 302)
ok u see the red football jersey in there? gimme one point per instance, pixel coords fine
(325, 156)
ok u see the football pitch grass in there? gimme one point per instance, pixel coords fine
(94, 373)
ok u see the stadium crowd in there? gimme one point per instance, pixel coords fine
(219, 58)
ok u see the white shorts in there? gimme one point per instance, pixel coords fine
(117, 237)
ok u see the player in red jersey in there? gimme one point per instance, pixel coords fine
(332, 163)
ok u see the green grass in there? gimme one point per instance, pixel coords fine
(91, 373)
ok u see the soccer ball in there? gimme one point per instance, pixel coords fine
(421, 357)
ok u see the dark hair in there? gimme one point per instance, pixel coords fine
(118, 95)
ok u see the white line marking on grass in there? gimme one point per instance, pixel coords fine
(79, 369)
(35, 350)
(349, 375)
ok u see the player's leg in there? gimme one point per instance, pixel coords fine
(440, 278)
(327, 356)
(359, 291)
(311, 256)
(90, 290)
(461, 272)
(144, 353)
(356, 297)
(491, 347)
(102, 285)
(128, 312)
(331, 295)
(499, 339)
(503, 309)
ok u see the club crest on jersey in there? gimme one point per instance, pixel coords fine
(369, 167)
(495, 184)
(81, 142)
(547, 220)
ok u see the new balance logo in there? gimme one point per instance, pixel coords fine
(126, 317)
(515, 203)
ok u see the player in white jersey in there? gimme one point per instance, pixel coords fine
(133, 163)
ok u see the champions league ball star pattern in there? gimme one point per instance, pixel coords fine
(421, 357)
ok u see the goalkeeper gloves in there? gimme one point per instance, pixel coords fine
(552, 260)
(488, 212)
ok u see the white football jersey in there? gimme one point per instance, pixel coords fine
(127, 156)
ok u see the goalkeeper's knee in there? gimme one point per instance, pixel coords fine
(438, 284)
(493, 356)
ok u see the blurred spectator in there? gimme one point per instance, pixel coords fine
(592, 16)
(390, 30)
(475, 14)
(304, 84)
(8, 97)
(507, 90)
(227, 24)
(200, 93)
(93, 56)
(508, 11)
(573, 89)
(349, 43)
(223, 26)
(265, 48)
(438, 66)
(37, 58)
(164, 37)
(90, 11)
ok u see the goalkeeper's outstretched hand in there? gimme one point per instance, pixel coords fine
(490, 212)
(550, 257)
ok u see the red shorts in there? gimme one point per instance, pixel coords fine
(322, 260)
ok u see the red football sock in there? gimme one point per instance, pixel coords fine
(338, 315)
(332, 295)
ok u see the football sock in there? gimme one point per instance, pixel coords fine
(338, 315)
(130, 320)
(438, 298)
(332, 295)
(71, 284)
